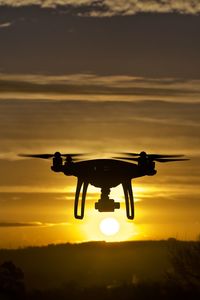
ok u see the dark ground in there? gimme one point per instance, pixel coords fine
(140, 270)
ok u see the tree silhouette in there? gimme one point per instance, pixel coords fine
(11, 281)
(185, 261)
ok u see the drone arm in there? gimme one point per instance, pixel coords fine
(80, 184)
(128, 194)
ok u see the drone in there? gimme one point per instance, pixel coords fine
(105, 174)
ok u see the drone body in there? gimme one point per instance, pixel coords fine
(105, 174)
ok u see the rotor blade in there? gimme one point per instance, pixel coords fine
(127, 158)
(170, 159)
(129, 153)
(47, 156)
(43, 156)
(75, 159)
(152, 155)
(163, 155)
(75, 154)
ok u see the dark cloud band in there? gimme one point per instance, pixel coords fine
(62, 87)
(19, 224)
(114, 7)
(29, 224)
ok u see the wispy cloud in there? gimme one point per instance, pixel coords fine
(94, 87)
(31, 224)
(5, 25)
(73, 126)
(116, 7)
(21, 224)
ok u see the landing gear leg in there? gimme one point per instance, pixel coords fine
(128, 194)
(80, 183)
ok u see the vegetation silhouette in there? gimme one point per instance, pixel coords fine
(185, 266)
(11, 281)
(178, 278)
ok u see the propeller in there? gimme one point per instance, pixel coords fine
(151, 155)
(126, 158)
(170, 159)
(43, 156)
(47, 156)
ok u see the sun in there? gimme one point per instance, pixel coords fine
(109, 226)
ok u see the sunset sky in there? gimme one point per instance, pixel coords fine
(98, 76)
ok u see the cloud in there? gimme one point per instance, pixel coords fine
(96, 8)
(5, 25)
(94, 126)
(55, 50)
(30, 224)
(21, 224)
(94, 87)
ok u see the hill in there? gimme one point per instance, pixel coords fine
(91, 264)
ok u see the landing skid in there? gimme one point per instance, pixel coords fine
(104, 204)
(80, 183)
(129, 200)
